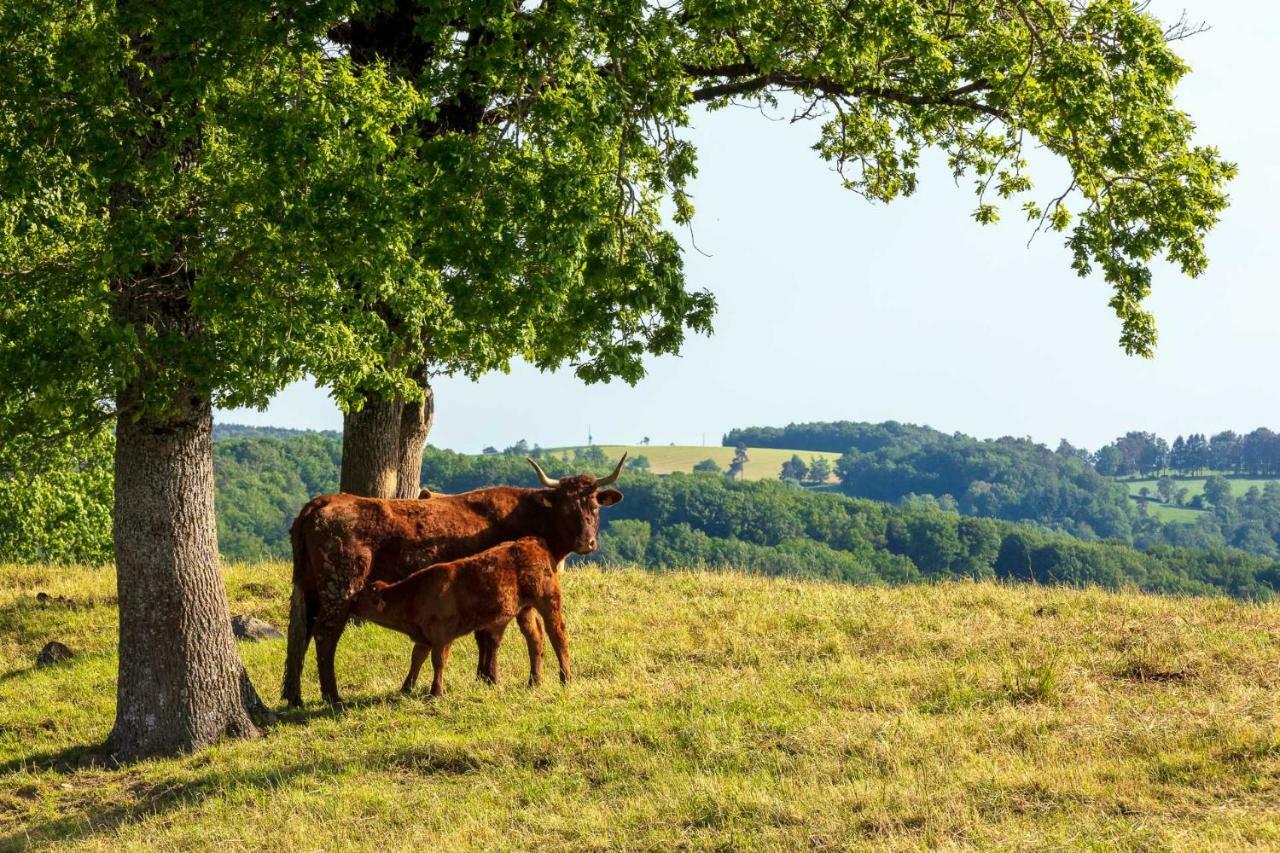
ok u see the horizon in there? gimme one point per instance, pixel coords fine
(945, 323)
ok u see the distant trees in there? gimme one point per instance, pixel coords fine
(794, 469)
(707, 466)
(819, 470)
(738, 464)
(639, 462)
(1256, 453)
(1217, 490)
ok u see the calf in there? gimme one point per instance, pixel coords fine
(436, 605)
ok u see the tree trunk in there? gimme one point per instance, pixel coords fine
(371, 449)
(181, 684)
(415, 424)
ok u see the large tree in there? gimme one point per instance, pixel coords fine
(184, 187)
(201, 202)
(611, 84)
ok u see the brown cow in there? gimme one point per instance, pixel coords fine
(436, 605)
(342, 542)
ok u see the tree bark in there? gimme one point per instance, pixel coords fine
(415, 425)
(181, 684)
(371, 449)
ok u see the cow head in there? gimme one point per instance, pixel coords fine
(575, 506)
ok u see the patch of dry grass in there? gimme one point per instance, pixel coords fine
(709, 711)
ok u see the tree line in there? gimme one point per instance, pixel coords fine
(1255, 453)
(1068, 489)
(677, 521)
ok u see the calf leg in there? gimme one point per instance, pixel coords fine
(531, 627)
(439, 657)
(550, 610)
(415, 666)
(485, 651)
(495, 643)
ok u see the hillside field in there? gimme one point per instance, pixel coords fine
(1194, 486)
(709, 711)
(763, 463)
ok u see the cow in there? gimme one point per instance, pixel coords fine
(483, 592)
(343, 542)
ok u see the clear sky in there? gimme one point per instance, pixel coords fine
(832, 308)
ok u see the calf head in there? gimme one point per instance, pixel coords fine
(574, 504)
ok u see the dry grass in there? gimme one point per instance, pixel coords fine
(710, 711)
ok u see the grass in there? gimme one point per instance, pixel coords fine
(1194, 486)
(710, 711)
(763, 463)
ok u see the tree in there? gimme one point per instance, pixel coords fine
(180, 189)
(1165, 487)
(707, 466)
(513, 89)
(794, 469)
(738, 464)
(645, 441)
(819, 470)
(1217, 491)
(200, 204)
(638, 463)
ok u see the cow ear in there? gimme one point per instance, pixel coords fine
(608, 497)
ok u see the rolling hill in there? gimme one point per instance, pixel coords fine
(710, 711)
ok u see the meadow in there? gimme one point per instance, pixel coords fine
(709, 711)
(763, 463)
(1194, 486)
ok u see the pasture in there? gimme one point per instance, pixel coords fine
(763, 463)
(709, 711)
(1194, 486)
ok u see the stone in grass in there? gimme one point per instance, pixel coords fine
(53, 652)
(251, 628)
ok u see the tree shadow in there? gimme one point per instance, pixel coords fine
(152, 798)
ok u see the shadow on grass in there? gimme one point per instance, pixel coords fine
(145, 798)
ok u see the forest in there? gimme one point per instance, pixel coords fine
(675, 521)
(1068, 489)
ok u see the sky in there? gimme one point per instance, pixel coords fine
(834, 308)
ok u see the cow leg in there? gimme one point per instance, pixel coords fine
(415, 666)
(486, 657)
(439, 657)
(329, 626)
(531, 627)
(326, 648)
(550, 610)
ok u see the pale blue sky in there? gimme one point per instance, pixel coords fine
(832, 308)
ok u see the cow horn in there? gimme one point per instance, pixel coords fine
(542, 475)
(614, 476)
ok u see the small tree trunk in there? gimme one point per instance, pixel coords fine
(181, 684)
(415, 425)
(371, 449)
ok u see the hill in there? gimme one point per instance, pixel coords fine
(763, 463)
(710, 711)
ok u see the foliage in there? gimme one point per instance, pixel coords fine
(761, 526)
(55, 501)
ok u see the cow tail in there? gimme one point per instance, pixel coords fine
(299, 624)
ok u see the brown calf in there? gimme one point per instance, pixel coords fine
(436, 605)
(341, 543)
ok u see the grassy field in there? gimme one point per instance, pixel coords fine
(1194, 486)
(710, 711)
(762, 463)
